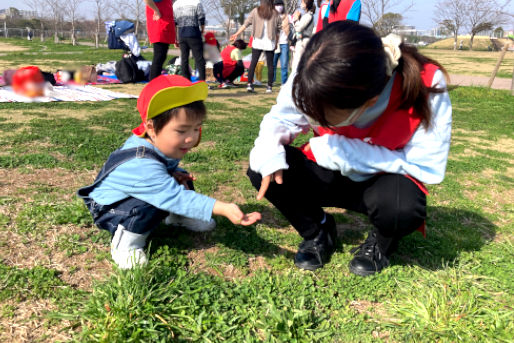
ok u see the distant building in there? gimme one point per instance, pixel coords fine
(410, 30)
(14, 13)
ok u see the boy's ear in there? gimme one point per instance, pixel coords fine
(150, 130)
(199, 138)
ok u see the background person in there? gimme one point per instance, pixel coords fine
(282, 51)
(211, 48)
(324, 7)
(266, 23)
(190, 20)
(344, 10)
(161, 32)
(233, 66)
(304, 26)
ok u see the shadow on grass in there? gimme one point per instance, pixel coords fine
(245, 239)
(450, 231)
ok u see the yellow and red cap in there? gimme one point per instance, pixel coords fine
(164, 93)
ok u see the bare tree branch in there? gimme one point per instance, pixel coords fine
(72, 8)
(374, 10)
(452, 15)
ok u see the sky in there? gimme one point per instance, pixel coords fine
(421, 15)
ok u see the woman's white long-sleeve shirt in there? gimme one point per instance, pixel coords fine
(424, 157)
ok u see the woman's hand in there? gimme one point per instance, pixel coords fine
(183, 178)
(277, 177)
(234, 214)
(156, 15)
(233, 37)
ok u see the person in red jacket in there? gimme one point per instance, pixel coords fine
(161, 32)
(381, 118)
(344, 10)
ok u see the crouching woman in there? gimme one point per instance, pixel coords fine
(381, 117)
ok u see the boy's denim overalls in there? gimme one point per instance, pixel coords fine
(135, 215)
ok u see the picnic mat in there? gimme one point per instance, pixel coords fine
(66, 93)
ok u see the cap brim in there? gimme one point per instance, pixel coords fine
(177, 96)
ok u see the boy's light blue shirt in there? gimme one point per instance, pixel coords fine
(148, 180)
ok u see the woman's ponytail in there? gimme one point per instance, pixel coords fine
(415, 92)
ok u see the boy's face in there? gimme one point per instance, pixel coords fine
(177, 137)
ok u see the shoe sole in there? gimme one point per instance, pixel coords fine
(362, 272)
(309, 268)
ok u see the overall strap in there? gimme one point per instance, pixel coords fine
(117, 158)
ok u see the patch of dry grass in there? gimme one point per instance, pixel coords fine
(26, 323)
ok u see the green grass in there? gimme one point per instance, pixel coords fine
(239, 284)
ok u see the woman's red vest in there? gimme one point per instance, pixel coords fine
(393, 129)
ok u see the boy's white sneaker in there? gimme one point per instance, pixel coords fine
(257, 82)
(191, 224)
(127, 248)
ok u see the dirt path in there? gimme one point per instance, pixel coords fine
(470, 80)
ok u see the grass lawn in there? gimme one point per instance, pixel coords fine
(479, 63)
(239, 284)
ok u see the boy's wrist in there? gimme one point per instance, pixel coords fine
(219, 208)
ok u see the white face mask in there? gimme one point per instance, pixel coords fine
(279, 8)
(349, 121)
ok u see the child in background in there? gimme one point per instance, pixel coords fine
(211, 48)
(141, 183)
(259, 68)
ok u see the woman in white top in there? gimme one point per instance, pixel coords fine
(303, 27)
(266, 24)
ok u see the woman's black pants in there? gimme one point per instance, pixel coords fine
(394, 204)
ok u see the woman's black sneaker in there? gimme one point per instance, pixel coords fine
(315, 253)
(369, 258)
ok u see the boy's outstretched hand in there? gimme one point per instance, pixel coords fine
(234, 214)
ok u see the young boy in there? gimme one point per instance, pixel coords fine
(141, 184)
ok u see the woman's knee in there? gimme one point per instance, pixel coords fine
(396, 205)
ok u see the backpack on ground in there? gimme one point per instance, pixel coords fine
(126, 70)
(114, 42)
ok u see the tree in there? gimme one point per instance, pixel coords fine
(132, 10)
(451, 14)
(39, 7)
(483, 15)
(72, 7)
(291, 6)
(374, 10)
(225, 11)
(54, 8)
(386, 24)
(239, 8)
(216, 9)
(100, 6)
(498, 32)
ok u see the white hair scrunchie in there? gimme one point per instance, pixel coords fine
(391, 44)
